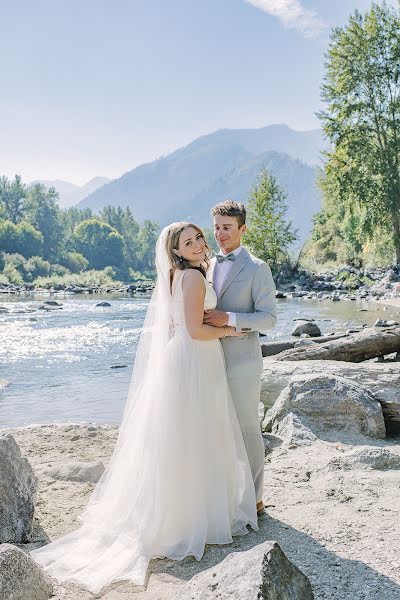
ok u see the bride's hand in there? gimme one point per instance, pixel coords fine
(231, 332)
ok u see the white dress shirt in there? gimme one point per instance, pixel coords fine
(221, 271)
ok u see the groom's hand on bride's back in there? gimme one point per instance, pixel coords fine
(216, 318)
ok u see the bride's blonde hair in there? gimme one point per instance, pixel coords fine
(172, 243)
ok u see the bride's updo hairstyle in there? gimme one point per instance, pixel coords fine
(172, 243)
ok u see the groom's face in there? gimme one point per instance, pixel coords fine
(228, 233)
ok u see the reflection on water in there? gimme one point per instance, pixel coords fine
(59, 363)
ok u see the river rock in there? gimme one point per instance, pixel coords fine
(20, 577)
(383, 380)
(378, 459)
(328, 403)
(262, 573)
(18, 485)
(292, 431)
(77, 471)
(307, 327)
(304, 341)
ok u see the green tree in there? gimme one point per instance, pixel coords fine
(71, 217)
(12, 198)
(124, 222)
(211, 241)
(74, 262)
(269, 234)
(22, 238)
(42, 210)
(100, 243)
(362, 119)
(147, 243)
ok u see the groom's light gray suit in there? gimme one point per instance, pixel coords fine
(248, 291)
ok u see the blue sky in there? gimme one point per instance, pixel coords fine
(96, 87)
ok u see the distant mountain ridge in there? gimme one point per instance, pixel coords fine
(187, 182)
(69, 193)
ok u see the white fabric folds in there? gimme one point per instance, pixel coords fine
(179, 476)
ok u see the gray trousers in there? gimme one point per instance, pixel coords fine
(246, 397)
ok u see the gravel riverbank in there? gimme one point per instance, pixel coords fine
(338, 525)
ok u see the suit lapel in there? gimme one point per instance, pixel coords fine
(235, 270)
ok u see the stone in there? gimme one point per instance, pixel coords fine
(103, 304)
(293, 431)
(308, 327)
(378, 459)
(77, 471)
(328, 403)
(304, 342)
(18, 485)
(262, 573)
(271, 442)
(382, 380)
(20, 577)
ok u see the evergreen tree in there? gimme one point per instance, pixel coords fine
(269, 234)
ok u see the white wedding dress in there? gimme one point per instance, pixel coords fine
(179, 477)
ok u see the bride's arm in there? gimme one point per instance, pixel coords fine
(193, 285)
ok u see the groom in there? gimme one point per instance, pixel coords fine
(246, 301)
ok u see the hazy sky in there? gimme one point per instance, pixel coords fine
(96, 87)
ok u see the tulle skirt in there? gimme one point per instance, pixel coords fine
(179, 477)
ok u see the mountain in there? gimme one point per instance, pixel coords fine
(187, 182)
(69, 193)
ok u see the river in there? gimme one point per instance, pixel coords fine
(74, 364)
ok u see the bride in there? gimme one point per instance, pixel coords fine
(179, 477)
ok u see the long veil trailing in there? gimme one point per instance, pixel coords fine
(88, 554)
(179, 477)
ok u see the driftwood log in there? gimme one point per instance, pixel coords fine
(357, 347)
(272, 348)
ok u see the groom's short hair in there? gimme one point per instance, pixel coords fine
(230, 208)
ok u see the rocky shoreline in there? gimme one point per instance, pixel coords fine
(332, 480)
(30, 289)
(344, 283)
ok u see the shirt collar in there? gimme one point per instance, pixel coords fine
(236, 252)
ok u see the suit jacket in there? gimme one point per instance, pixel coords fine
(248, 291)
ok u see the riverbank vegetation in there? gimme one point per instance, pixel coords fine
(42, 244)
(359, 223)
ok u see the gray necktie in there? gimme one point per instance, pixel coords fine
(221, 257)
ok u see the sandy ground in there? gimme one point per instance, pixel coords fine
(341, 528)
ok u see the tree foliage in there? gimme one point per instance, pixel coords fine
(100, 243)
(35, 230)
(361, 90)
(269, 234)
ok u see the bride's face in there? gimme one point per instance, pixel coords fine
(192, 246)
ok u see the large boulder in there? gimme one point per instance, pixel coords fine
(18, 485)
(262, 573)
(382, 380)
(329, 404)
(20, 577)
